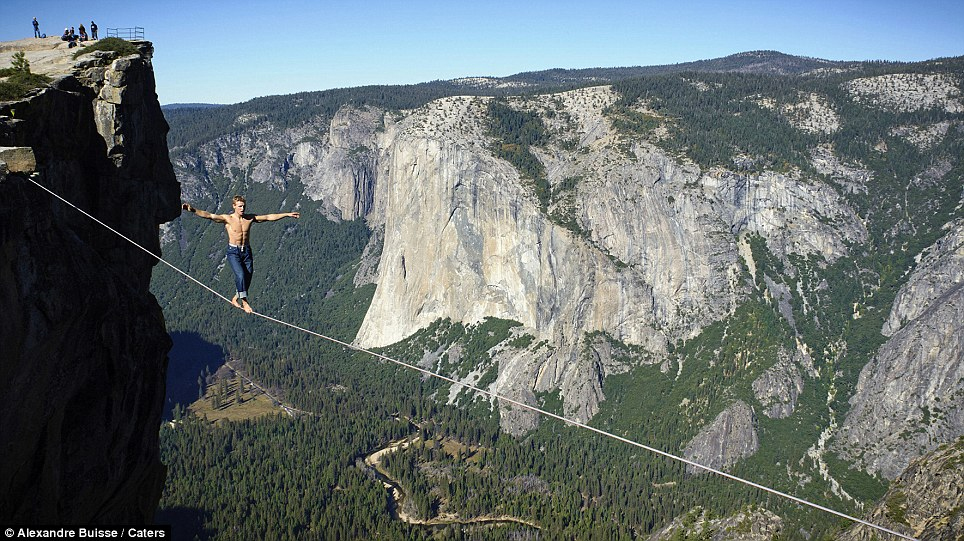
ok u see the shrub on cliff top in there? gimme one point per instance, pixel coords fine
(19, 79)
(18, 64)
(19, 84)
(118, 45)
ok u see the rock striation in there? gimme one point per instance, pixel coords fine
(84, 341)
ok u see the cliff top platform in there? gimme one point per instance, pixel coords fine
(47, 56)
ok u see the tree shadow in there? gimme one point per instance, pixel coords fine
(189, 357)
(187, 523)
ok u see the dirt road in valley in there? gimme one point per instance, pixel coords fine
(374, 461)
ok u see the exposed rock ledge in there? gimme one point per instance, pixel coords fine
(926, 501)
(722, 443)
(746, 525)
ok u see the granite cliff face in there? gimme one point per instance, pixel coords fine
(464, 237)
(84, 341)
(910, 398)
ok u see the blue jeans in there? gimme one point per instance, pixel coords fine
(242, 263)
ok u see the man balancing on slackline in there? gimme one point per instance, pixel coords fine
(238, 226)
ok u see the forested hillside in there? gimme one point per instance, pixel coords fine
(803, 328)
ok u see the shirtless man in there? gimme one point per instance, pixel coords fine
(238, 226)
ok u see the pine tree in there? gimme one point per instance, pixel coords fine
(20, 63)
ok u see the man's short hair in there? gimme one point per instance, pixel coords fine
(239, 198)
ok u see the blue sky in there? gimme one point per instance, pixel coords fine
(220, 51)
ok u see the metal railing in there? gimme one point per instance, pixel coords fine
(132, 33)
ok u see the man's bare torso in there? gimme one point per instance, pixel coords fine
(239, 228)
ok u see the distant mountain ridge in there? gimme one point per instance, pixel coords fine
(194, 123)
(173, 106)
(760, 62)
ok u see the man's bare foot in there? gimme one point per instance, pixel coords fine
(234, 301)
(247, 307)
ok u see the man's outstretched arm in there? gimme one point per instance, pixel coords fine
(275, 217)
(204, 214)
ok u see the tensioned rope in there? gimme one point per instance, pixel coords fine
(497, 396)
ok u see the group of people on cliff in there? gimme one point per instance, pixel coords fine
(81, 34)
(69, 35)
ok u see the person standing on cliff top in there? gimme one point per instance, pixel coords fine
(93, 30)
(238, 225)
(36, 28)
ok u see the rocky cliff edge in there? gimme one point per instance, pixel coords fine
(83, 340)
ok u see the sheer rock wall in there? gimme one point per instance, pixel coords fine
(84, 346)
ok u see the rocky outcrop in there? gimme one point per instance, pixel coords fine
(811, 114)
(925, 502)
(722, 443)
(465, 239)
(794, 215)
(910, 397)
(342, 172)
(939, 271)
(908, 91)
(84, 342)
(851, 177)
(778, 387)
(755, 524)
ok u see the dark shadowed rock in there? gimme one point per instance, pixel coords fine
(83, 340)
